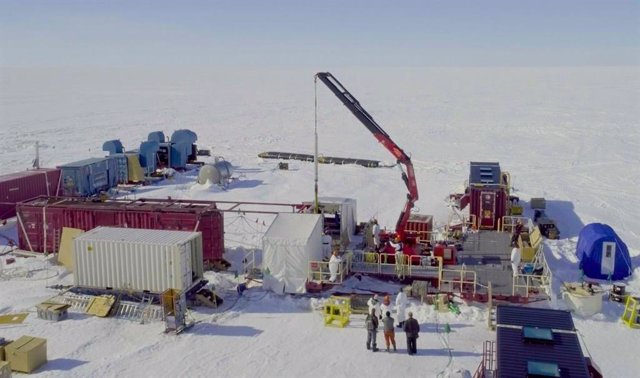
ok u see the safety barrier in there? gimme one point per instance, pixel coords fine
(530, 282)
(460, 278)
(508, 223)
(399, 265)
(337, 310)
(319, 270)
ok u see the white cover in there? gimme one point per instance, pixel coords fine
(289, 244)
(348, 214)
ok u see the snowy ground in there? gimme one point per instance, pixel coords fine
(567, 134)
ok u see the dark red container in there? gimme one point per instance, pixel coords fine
(488, 194)
(155, 214)
(419, 226)
(489, 205)
(22, 186)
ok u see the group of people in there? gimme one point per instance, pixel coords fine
(410, 326)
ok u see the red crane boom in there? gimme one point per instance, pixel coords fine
(401, 157)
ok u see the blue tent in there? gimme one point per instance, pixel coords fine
(603, 255)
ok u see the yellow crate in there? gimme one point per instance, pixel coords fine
(337, 311)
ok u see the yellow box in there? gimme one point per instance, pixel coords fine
(5, 369)
(528, 244)
(27, 353)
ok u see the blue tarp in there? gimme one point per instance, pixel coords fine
(590, 248)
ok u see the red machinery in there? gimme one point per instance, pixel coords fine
(367, 120)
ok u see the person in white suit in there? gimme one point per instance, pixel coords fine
(374, 304)
(334, 266)
(376, 235)
(401, 306)
(516, 256)
(326, 244)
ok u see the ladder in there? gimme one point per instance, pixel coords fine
(76, 301)
(145, 307)
(143, 311)
(128, 311)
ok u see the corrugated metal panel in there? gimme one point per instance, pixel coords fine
(135, 235)
(513, 353)
(536, 317)
(22, 186)
(136, 259)
(56, 213)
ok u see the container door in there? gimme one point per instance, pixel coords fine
(487, 210)
(608, 258)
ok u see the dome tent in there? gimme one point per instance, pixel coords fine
(603, 255)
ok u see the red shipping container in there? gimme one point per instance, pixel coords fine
(40, 221)
(22, 186)
(487, 194)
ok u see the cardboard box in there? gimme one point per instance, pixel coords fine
(26, 354)
(52, 311)
(5, 369)
(3, 343)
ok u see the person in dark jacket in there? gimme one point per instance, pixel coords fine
(389, 333)
(371, 323)
(516, 233)
(411, 329)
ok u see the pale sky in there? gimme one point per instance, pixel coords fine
(299, 33)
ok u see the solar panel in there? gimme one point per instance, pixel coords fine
(542, 369)
(537, 334)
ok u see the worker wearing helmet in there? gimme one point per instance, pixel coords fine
(396, 243)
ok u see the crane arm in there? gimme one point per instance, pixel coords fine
(367, 120)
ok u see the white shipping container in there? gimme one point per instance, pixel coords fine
(136, 259)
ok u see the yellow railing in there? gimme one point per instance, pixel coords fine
(461, 277)
(319, 270)
(400, 265)
(508, 223)
(528, 282)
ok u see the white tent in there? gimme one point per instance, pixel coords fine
(289, 244)
(348, 215)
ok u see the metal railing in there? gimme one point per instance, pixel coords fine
(508, 223)
(488, 365)
(531, 281)
(395, 264)
(319, 270)
(458, 277)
